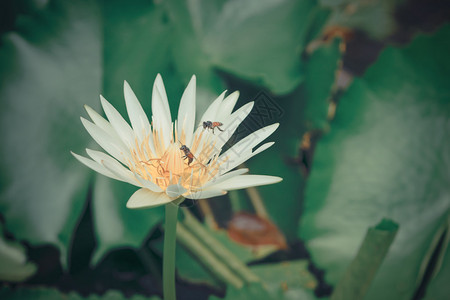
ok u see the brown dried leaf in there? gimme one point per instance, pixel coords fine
(252, 230)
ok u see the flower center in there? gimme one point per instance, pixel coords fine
(176, 165)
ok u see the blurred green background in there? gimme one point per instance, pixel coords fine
(361, 91)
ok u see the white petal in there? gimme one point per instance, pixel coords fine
(186, 112)
(145, 198)
(101, 157)
(175, 190)
(211, 113)
(121, 172)
(232, 123)
(233, 163)
(109, 144)
(207, 193)
(128, 176)
(221, 178)
(138, 118)
(245, 181)
(95, 166)
(226, 107)
(148, 184)
(162, 119)
(121, 126)
(249, 142)
(101, 122)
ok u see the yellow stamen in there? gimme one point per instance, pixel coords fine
(166, 166)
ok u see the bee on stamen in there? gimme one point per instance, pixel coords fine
(188, 155)
(212, 125)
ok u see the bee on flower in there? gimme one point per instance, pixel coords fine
(212, 125)
(169, 160)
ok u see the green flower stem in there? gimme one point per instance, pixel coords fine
(222, 253)
(206, 257)
(170, 229)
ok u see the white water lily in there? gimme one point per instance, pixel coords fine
(148, 155)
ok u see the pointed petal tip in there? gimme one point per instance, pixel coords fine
(89, 151)
(235, 93)
(278, 179)
(77, 156)
(271, 127)
(192, 83)
(265, 146)
(86, 123)
(132, 205)
(90, 111)
(247, 106)
(159, 85)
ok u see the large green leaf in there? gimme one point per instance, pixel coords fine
(51, 64)
(7, 293)
(387, 156)
(256, 40)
